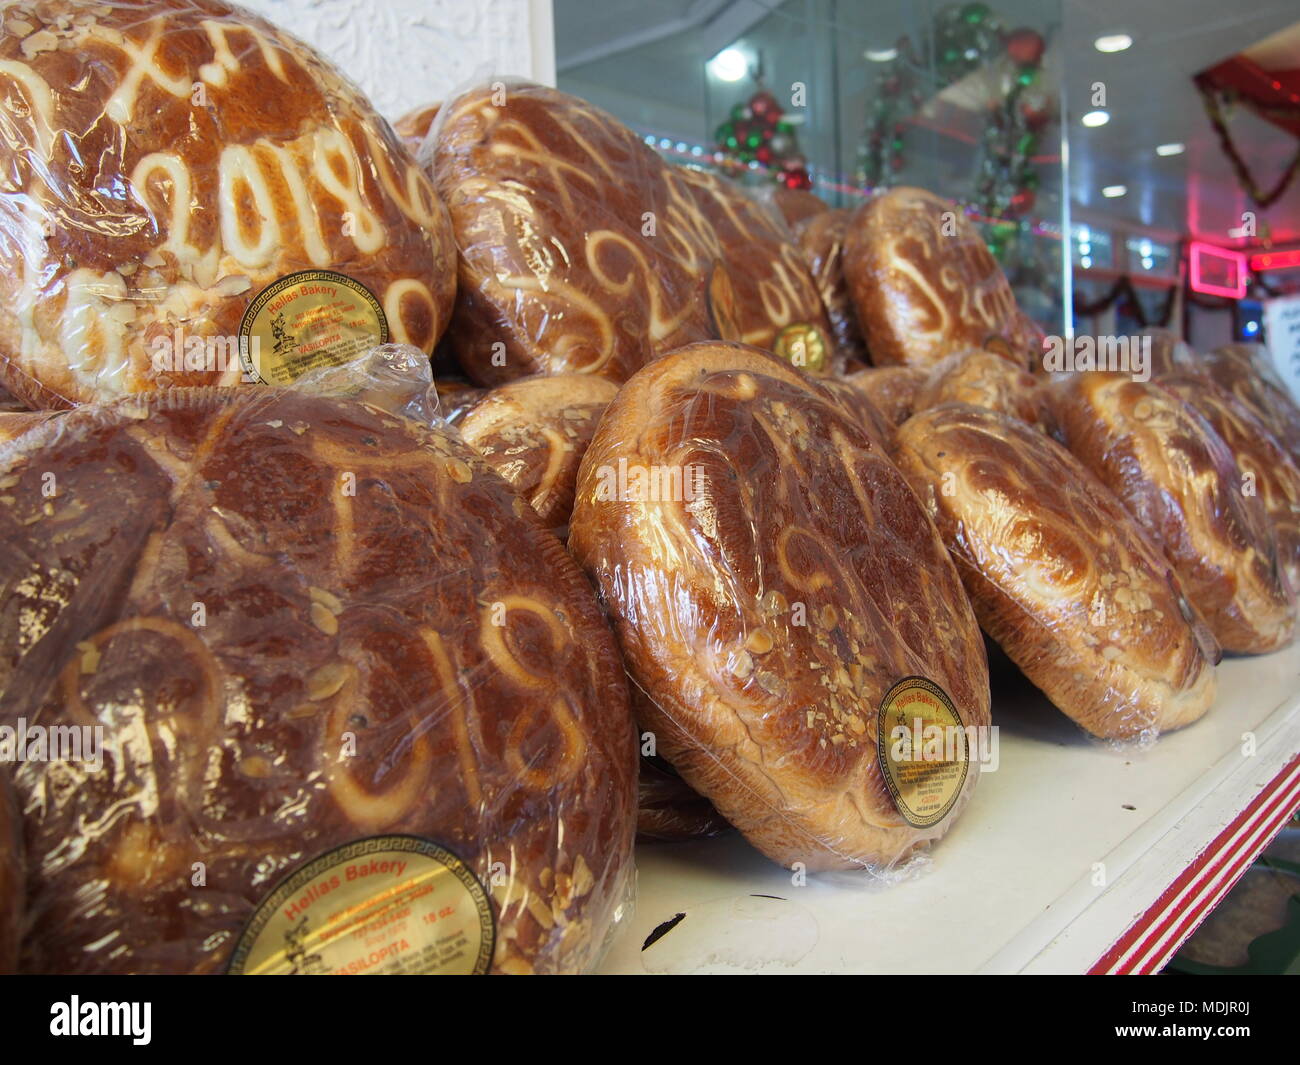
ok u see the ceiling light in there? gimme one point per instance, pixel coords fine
(881, 55)
(1170, 149)
(729, 65)
(1113, 191)
(1095, 118)
(1113, 42)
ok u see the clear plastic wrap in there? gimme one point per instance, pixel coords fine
(986, 379)
(534, 432)
(892, 390)
(1261, 459)
(581, 251)
(1060, 576)
(166, 163)
(925, 285)
(1244, 370)
(1182, 484)
(353, 708)
(782, 599)
(821, 240)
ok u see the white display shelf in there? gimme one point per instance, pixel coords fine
(1072, 857)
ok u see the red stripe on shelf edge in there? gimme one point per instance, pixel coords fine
(1269, 805)
(1210, 893)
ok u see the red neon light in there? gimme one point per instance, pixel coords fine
(1209, 260)
(1275, 260)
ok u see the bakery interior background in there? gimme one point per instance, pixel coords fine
(1134, 192)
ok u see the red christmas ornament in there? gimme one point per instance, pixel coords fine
(765, 107)
(764, 155)
(1035, 117)
(1025, 46)
(1021, 203)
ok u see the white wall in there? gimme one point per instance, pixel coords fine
(406, 53)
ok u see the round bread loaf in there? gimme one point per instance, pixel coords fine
(1243, 370)
(581, 251)
(797, 205)
(11, 878)
(309, 632)
(985, 379)
(821, 240)
(413, 127)
(892, 390)
(1276, 477)
(456, 398)
(166, 161)
(15, 424)
(772, 578)
(1179, 480)
(669, 810)
(1060, 576)
(924, 284)
(534, 432)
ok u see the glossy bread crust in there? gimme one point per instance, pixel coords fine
(985, 379)
(358, 575)
(1257, 452)
(821, 240)
(892, 390)
(1179, 480)
(1060, 576)
(924, 284)
(767, 615)
(133, 208)
(534, 432)
(581, 251)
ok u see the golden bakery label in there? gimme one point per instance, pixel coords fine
(924, 750)
(387, 905)
(306, 320)
(803, 345)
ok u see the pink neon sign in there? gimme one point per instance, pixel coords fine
(1217, 271)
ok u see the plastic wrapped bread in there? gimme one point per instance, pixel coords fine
(892, 390)
(1243, 370)
(1176, 476)
(1257, 453)
(534, 432)
(581, 251)
(985, 379)
(360, 712)
(924, 284)
(821, 240)
(1060, 576)
(786, 605)
(186, 184)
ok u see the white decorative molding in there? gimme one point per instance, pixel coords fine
(406, 53)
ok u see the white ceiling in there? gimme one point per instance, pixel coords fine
(647, 60)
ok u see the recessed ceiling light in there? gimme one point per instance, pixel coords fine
(1096, 118)
(1112, 191)
(1170, 149)
(729, 65)
(881, 55)
(1113, 42)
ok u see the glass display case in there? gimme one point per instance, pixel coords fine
(847, 97)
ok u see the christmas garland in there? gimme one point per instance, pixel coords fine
(1124, 290)
(1261, 199)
